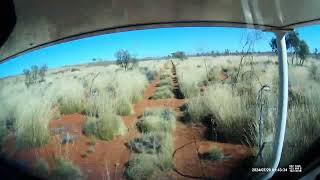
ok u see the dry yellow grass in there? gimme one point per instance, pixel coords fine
(68, 89)
(236, 111)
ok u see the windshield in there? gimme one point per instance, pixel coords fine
(176, 103)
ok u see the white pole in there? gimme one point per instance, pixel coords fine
(282, 104)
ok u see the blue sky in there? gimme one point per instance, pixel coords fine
(146, 43)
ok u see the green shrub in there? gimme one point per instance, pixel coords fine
(102, 122)
(32, 123)
(136, 97)
(245, 89)
(150, 74)
(93, 141)
(96, 105)
(314, 72)
(165, 113)
(56, 115)
(42, 167)
(123, 107)
(197, 108)
(33, 135)
(91, 107)
(203, 83)
(91, 126)
(167, 66)
(236, 111)
(65, 170)
(163, 94)
(105, 127)
(157, 120)
(295, 97)
(3, 126)
(153, 124)
(165, 76)
(212, 75)
(3, 133)
(166, 151)
(69, 95)
(214, 153)
(35, 74)
(158, 124)
(141, 167)
(231, 111)
(190, 90)
(68, 105)
(164, 88)
(303, 126)
(130, 85)
(155, 155)
(110, 126)
(165, 82)
(148, 143)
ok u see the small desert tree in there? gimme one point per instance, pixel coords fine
(247, 49)
(179, 55)
(303, 51)
(42, 72)
(273, 45)
(35, 74)
(123, 58)
(134, 62)
(293, 42)
(293, 45)
(226, 52)
(27, 75)
(316, 53)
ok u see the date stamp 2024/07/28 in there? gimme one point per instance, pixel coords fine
(291, 168)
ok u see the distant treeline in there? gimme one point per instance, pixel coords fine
(211, 53)
(228, 52)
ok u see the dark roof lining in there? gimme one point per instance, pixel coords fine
(151, 26)
(317, 20)
(8, 20)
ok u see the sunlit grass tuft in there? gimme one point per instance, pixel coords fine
(214, 153)
(157, 120)
(155, 147)
(32, 123)
(163, 92)
(65, 170)
(106, 127)
(141, 166)
(42, 167)
(123, 107)
(165, 82)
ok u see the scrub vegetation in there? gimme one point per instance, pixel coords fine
(65, 170)
(215, 153)
(164, 87)
(237, 107)
(155, 119)
(42, 167)
(234, 96)
(103, 95)
(105, 127)
(32, 123)
(153, 149)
